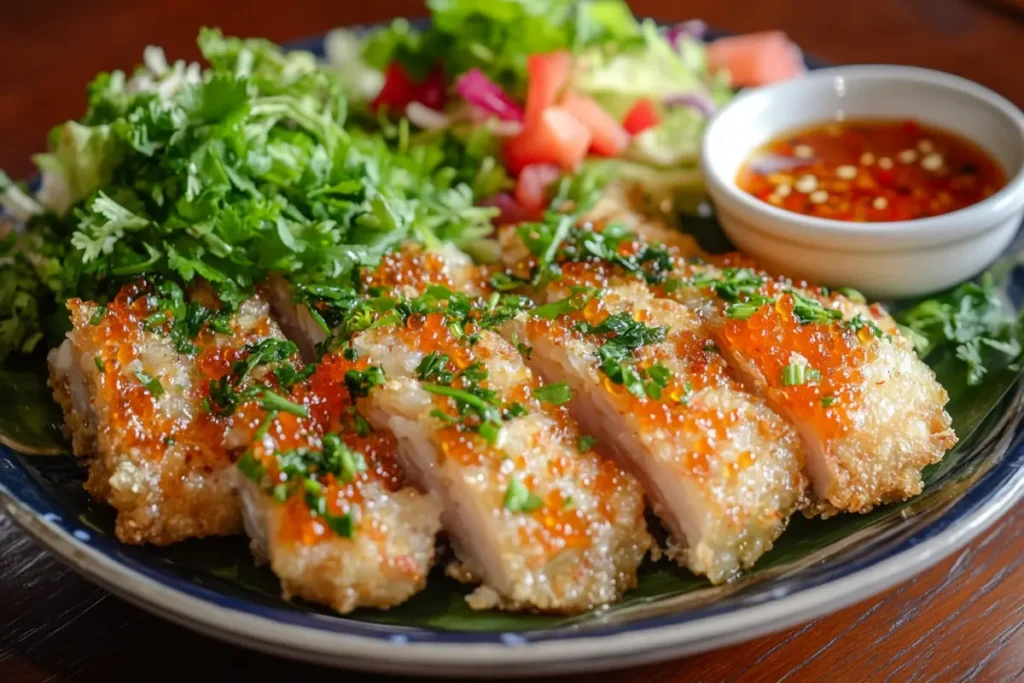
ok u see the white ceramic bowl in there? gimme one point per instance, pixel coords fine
(895, 259)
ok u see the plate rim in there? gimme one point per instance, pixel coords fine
(626, 645)
(396, 650)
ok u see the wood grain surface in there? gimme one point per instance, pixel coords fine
(961, 621)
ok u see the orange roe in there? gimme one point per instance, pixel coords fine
(772, 335)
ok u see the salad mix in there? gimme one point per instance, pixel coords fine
(272, 161)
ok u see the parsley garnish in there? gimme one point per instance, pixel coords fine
(970, 323)
(807, 311)
(576, 301)
(586, 443)
(433, 368)
(555, 394)
(360, 382)
(518, 498)
(151, 383)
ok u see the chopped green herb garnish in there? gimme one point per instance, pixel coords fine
(433, 368)
(574, 302)
(518, 498)
(741, 311)
(486, 410)
(586, 442)
(271, 401)
(794, 375)
(827, 401)
(97, 315)
(360, 382)
(361, 426)
(807, 310)
(251, 468)
(151, 383)
(555, 394)
(99, 363)
(858, 321)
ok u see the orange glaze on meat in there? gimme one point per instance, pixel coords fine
(331, 411)
(677, 410)
(773, 334)
(560, 526)
(135, 420)
(408, 268)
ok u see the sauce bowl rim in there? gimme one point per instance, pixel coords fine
(933, 230)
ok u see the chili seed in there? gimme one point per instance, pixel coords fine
(932, 162)
(806, 184)
(803, 152)
(846, 172)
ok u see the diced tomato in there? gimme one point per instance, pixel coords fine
(555, 137)
(396, 91)
(400, 89)
(641, 116)
(756, 58)
(431, 92)
(609, 139)
(532, 186)
(548, 75)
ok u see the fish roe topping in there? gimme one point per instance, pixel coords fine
(403, 269)
(322, 465)
(141, 418)
(813, 368)
(871, 171)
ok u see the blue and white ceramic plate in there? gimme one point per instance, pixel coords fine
(817, 566)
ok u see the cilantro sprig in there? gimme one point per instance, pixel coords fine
(971, 323)
(228, 173)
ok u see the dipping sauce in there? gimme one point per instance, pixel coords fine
(871, 171)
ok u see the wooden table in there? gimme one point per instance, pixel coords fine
(963, 620)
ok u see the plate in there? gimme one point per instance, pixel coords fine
(817, 566)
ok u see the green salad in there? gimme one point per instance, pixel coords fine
(265, 160)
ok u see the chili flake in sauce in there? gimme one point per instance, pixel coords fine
(871, 171)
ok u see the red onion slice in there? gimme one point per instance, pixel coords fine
(483, 93)
(693, 101)
(694, 29)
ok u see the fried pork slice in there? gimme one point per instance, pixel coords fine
(371, 544)
(721, 470)
(133, 395)
(870, 412)
(539, 524)
(534, 516)
(304, 313)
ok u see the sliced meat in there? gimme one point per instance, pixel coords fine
(533, 515)
(869, 411)
(722, 471)
(307, 314)
(326, 504)
(134, 386)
